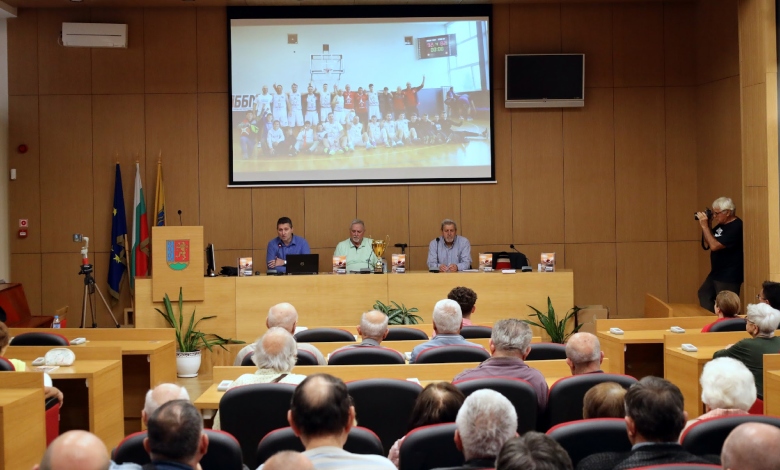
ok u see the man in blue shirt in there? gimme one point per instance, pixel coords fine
(285, 244)
(449, 253)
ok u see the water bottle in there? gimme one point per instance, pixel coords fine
(56, 323)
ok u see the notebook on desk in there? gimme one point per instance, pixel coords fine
(303, 264)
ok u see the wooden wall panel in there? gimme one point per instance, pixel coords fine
(753, 48)
(717, 40)
(268, 205)
(62, 286)
(536, 28)
(683, 271)
(641, 268)
(587, 28)
(640, 173)
(754, 135)
(120, 70)
(679, 44)
(26, 268)
(537, 176)
(428, 206)
(681, 176)
(170, 60)
(595, 273)
(755, 239)
(212, 44)
(638, 44)
(172, 128)
(417, 258)
(500, 32)
(23, 53)
(62, 70)
(718, 141)
(225, 213)
(329, 212)
(589, 169)
(118, 136)
(66, 179)
(385, 210)
(24, 194)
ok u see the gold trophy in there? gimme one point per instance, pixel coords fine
(379, 247)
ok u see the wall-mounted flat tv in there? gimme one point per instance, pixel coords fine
(545, 80)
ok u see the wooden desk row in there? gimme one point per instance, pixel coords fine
(22, 420)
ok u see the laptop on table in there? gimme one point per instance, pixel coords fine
(303, 264)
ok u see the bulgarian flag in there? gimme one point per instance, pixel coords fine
(139, 261)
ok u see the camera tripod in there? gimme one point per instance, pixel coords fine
(89, 292)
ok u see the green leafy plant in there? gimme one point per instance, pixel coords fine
(550, 323)
(189, 339)
(398, 314)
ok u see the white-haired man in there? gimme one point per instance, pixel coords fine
(510, 343)
(748, 447)
(160, 395)
(726, 256)
(485, 422)
(583, 354)
(447, 322)
(357, 248)
(372, 330)
(761, 324)
(285, 316)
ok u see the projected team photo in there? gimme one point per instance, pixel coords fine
(360, 100)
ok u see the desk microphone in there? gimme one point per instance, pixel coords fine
(402, 246)
(437, 254)
(527, 263)
(180, 217)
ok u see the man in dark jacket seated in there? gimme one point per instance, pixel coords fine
(654, 419)
(175, 437)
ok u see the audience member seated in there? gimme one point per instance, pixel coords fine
(485, 422)
(533, 450)
(288, 460)
(175, 437)
(275, 355)
(770, 294)
(159, 396)
(439, 402)
(467, 300)
(372, 330)
(604, 400)
(20, 366)
(447, 319)
(510, 343)
(727, 306)
(727, 388)
(284, 316)
(751, 446)
(655, 417)
(321, 415)
(761, 324)
(75, 450)
(583, 354)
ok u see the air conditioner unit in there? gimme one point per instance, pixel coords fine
(94, 35)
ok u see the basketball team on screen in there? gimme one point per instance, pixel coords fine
(339, 121)
(447, 253)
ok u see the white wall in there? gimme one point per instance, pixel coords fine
(5, 248)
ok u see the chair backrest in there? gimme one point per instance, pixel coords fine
(757, 408)
(359, 441)
(248, 360)
(384, 406)
(402, 334)
(366, 355)
(546, 351)
(732, 324)
(680, 466)
(708, 435)
(224, 451)
(6, 365)
(452, 353)
(519, 392)
(323, 335)
(591, 436)
(430, 447)
(39, 339)
(474, 331)
(52, 419)
(249, 412)
(566, 396)
(306, 358)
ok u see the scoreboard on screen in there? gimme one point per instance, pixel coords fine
(436, 46)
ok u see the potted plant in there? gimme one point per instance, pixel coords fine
(189, 341)
(398, 314)
(555, 328)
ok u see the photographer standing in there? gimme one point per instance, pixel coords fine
(725, 244)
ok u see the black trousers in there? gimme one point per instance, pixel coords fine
(710, 288)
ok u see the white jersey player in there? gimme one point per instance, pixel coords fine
(263, 102)
(275, 137)
(325, 98)
(311, 107)
(373, 102)
(279, 106)
(333, 130)
(391, 131)
(405, 134)
(376, 133)
(355, 135)
(338, 106)
(295, 113)
(305, 138)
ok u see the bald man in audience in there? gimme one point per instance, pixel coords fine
(75, 450)
(175, 438)
(284, 316)
(160, 395)
(288, 460)
(372, 330)
(749, 447)
(583, 354)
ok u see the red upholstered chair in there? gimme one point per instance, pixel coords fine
(757, 408)
(591, 436)
(430, 447)
(546, 351)
(39, 339)
(366, 355)
(323, 335)
(707, 436)
(359, 441)
(403, 333)
(384, 406)
(224, 451)
(732, 324)
(475, 331)
(452, 353)
(6, 365)
(566, 396)
(52, 419)
(519, 392)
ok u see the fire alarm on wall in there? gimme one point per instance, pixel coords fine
(22, 233)
(22, 148)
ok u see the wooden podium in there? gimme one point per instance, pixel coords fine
(177, 262)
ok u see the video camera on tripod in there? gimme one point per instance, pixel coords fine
(90, 287)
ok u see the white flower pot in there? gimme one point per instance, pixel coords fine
(187, 363)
